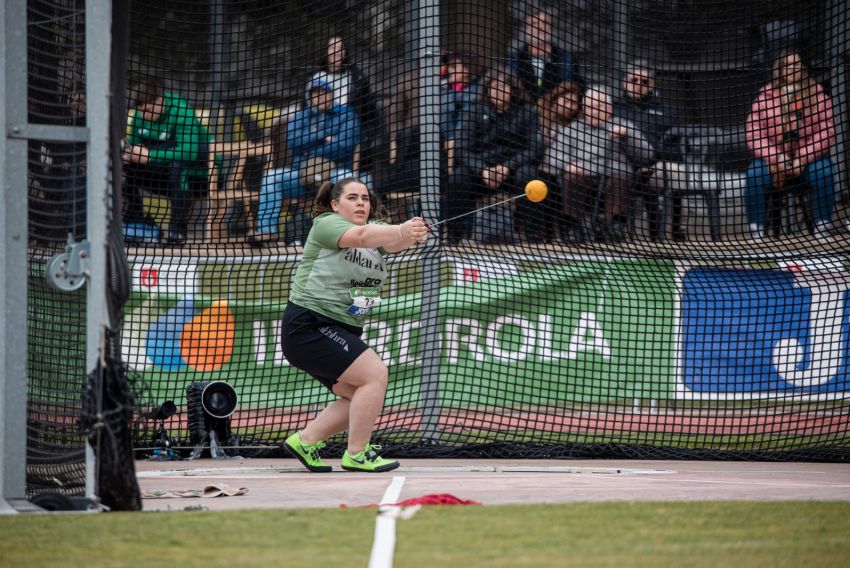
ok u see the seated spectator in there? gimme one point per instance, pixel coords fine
(498, 148)
(790, 130)
(595, 157)
(642, 104)
(459, 88)
(320, 130)
(237, 168)
(539, 63)
(556, 110)
(167, 153)
(351, 89)
(402, 110)
(64, 165)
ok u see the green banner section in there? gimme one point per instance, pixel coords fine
(578, 332)
(541, 335)
(56, 343)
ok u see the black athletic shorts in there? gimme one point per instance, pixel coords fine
(322, 347)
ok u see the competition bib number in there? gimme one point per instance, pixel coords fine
(363, 300)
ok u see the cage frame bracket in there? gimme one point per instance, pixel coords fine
(69, 270)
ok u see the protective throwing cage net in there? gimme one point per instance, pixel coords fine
(682, 291)
(57, 206)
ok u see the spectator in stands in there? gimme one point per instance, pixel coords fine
(459, 88)
(351, 89)
(65, 164)
(790, 130)
(318, 130)
(402, 110)
(641, 103)
(556, 110)
(498, 147)
(595, 157)
(539, 63)
(167, 153)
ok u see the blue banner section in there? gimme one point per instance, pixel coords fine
(750, 331)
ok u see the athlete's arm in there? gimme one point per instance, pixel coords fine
(392, 238)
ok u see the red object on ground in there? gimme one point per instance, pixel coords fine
(436, 499)
(433, 499)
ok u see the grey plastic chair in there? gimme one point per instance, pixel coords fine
(707, 153)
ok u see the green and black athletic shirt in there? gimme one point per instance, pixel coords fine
(341, 284)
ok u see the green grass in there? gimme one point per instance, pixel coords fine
(747, 534)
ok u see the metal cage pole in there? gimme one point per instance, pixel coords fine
(620, 40)
(98, 94)
(13, 257)
(838, 26)
(427, 45)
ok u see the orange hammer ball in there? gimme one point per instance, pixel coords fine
(536, 190)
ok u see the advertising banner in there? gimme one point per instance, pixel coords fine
(579, 331)
(765, 333)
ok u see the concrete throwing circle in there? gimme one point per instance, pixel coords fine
(276, 471)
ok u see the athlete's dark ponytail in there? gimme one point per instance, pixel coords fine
(327, 193)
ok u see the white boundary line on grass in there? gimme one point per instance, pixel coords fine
(383, 547)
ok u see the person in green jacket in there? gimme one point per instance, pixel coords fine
(166, 153)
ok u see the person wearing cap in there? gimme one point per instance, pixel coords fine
(641, 103)
(319, 130)
(166, 152)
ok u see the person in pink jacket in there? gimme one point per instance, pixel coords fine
(790, 130)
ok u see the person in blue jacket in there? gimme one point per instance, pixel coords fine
(320, 129)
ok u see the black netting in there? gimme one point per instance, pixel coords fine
(69, 404)
(57, 206)
(681, 290)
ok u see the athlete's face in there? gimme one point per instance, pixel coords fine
(353, 205)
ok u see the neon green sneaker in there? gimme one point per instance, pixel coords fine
(367, 460)
(307, 454)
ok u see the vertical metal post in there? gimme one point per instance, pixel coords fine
(620, 59)
(620, 38)
(98, 95)
(427, 44)
(838, 30)
(428, 54)
(218, 56)
(13, 256)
